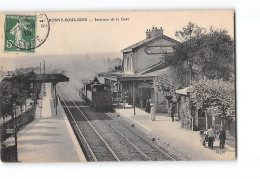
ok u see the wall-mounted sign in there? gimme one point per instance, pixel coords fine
(159, 49)
(10, 131)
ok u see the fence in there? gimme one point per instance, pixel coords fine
(19, 122)
(9, 153)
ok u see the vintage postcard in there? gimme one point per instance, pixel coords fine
(117, 86)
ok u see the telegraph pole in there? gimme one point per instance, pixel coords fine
(117, 92)
(134, 96)
(15, 132)
(44, 67)
(44, 93)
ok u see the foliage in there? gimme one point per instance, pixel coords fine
(166, 84)
(15, 91)
(216, 96)
(212, 52)
(209, 57)
(189, 31)
(185, 112)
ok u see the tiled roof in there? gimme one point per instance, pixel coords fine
(139, 43)
(148, 73)
(144, 76)
(156, 73)
(155, 67)
(146, 41)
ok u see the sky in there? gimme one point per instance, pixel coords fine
(105, 37)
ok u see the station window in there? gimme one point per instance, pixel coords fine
(128, 64)
(201, 113)
(125, 64)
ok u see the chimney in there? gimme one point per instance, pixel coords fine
(156, 32)
(148, 34)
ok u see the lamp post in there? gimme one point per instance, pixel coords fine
(134, 97)
(117, 92)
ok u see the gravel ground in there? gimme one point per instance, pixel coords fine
(117, 134)
(147, 134)
(119, 145)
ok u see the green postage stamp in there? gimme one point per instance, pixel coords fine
(20, 33)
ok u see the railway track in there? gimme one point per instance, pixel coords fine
(148, 150)
(124, 149)
(153, 151)
(95, 147)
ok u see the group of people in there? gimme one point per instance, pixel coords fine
(150, 108)
(210, 135)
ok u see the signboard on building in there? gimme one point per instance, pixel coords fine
(159, 49)
(10, 131)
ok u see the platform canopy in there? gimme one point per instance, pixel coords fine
(49, 78)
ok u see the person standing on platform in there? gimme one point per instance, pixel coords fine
(172, 111)
(222, 138)
(152, 112)
(130, 100)
(148, 106)
(211, 134)
(137, 100)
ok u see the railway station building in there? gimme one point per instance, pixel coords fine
(142, 62)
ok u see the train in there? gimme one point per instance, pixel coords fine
(97, 95)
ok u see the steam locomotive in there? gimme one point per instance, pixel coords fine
(98, 95)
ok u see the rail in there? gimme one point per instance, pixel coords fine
(109, 148)
(129, 141)
(93, 155)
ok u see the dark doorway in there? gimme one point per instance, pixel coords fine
(145, 94)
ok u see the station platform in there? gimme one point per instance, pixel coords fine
(49, 137)
(172, 136)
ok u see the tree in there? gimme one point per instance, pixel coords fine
(189, 31)
(166, 84)
(216, 54)
(211, 52)
(209, 57)
(15, 91)
(216, 96)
